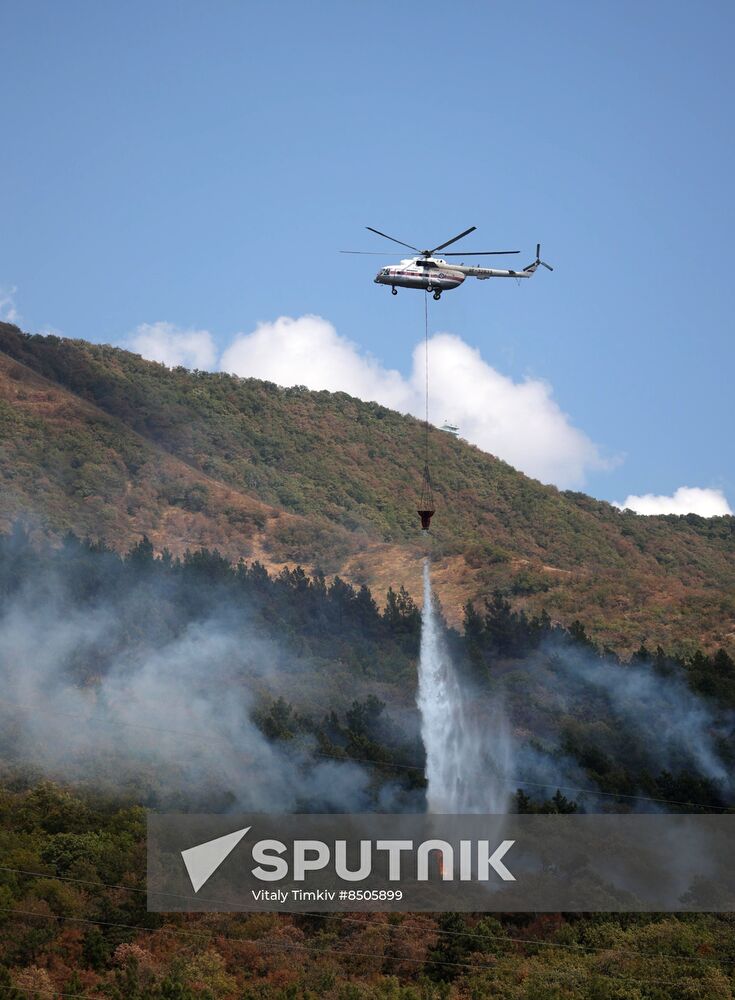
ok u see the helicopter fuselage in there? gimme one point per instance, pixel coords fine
(431, 274)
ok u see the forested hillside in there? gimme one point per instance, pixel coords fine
(100, 441)
(149, 682)
(73, 923)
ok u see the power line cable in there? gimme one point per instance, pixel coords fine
(343, 917)
(398, 957)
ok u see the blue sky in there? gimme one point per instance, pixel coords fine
(201, 164)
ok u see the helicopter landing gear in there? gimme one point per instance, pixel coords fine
(393, 290)
(437, 295)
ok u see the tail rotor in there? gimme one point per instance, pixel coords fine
(532, 267)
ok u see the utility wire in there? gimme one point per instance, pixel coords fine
(292, 946)
(342, 917)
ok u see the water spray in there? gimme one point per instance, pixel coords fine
(467, 756)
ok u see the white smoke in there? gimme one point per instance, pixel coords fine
(567, 701)
(173, 719)
(467, 754)
(675, 726)
(178, 716)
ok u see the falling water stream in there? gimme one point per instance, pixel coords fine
(468, 744)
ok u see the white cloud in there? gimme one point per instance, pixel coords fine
(309, 351)
(172, 346)
(8, 310)
(518, 421)
(685, 500)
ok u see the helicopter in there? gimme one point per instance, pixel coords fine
(433, 274)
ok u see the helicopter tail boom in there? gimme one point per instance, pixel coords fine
(492, 272)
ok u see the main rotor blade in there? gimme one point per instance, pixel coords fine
(453, 239)
(376, 253)
(398, 241)
(481, 253)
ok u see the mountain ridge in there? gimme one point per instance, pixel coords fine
(100, 441)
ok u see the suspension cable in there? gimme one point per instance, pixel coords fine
(426, 372)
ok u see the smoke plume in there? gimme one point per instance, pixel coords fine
(172, 720)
